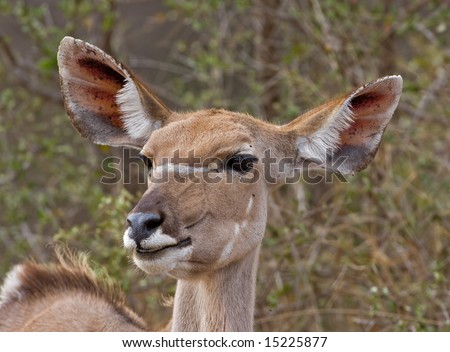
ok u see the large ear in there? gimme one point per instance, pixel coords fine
(105, 103)
(343, 135)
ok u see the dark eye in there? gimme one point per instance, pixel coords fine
(147, 161)
(241, 163)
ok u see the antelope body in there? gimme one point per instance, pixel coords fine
(203, 216)
(63, 297)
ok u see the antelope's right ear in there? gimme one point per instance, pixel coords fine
(105, 103)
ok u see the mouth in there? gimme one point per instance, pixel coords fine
(151, 252)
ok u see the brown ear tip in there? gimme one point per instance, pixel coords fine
(67, 39)
(389, 84)
(69, 46)
(397, 79)
(66, 42)
(66, 46)
(394, 81)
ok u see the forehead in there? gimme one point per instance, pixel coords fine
(205, 134)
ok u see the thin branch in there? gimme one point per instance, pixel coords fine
(23, 76)
(350, 312)
(442, 77)
(159, 65)
(7, 50)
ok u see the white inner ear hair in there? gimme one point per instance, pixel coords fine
(327, 139)
(138, 122)
(11, 287)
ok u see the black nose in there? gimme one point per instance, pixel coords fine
(143, 225)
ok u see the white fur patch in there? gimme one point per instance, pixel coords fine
(11, 286)
(157, 241)
(169, 261)
(128, 243)
(229, 247)
(172, 259)
(327, 138)
(249, 205)
(181, 169)
(237, 229)
(227, 250)
(137, 121)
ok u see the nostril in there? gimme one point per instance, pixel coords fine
(152, 221)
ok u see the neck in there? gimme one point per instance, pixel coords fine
(222, 300)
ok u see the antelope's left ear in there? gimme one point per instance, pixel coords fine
(343, 135)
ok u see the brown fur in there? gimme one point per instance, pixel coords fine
(222, 216)
(219, 217)
(66, 296)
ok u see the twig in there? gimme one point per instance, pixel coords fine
(350, 312)
(22, 75)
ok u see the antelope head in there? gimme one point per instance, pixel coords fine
(211, 171)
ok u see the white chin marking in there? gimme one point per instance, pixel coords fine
(162, 263)
(11, 286)
(166, 263)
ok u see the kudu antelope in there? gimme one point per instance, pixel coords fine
(203, 216)
(63, 297)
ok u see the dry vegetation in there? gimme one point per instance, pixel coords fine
(369, 255)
